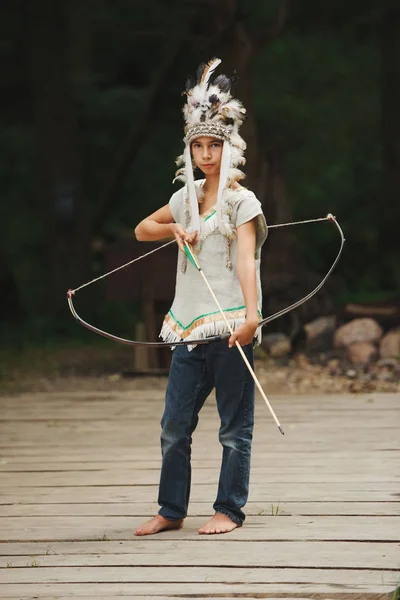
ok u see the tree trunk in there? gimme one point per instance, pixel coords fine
(132, 145)
(61, 205)
(390, 204)
(285, 277)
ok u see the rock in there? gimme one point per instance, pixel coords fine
(114, 377)
(357, 330)
(360, 387)
(259, 353)
(333, 363)
(351, 373)
(276, 344)
(361, 353)
(320, 333)
(390, 344)
(302, 361)
(319, 326)
(384, 374)
(333, 366)
(390, 363)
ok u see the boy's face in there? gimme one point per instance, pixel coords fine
(207, 152)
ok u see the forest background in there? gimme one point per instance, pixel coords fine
(91, 123)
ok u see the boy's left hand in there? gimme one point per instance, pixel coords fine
(244, 334)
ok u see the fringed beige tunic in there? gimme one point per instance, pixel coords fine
(193, 313)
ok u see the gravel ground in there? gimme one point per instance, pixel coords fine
(298, 375)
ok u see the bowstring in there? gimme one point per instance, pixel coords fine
(123, 266)
(327, 218)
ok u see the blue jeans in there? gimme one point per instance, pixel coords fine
(192, 377)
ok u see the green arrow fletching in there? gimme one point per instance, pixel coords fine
(190, 257)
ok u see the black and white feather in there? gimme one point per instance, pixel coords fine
(211, 110)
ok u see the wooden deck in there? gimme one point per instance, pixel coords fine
(78, 471)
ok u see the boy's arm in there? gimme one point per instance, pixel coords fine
(246, 270)
(160, 225)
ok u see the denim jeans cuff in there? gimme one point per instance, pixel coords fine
(230, 515)
(167, 515)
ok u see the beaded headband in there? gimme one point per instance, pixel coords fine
(211, 111)
(214, 130)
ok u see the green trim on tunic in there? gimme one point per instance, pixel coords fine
(209, 216)
(215, 312)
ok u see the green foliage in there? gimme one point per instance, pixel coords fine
(318, 108)
(275, 510)
(317, 98)
(20, 242)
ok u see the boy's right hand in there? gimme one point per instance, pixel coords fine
(182, 235)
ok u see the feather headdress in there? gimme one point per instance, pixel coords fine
(211, 111)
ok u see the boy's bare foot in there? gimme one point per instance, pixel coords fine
(157, 524)
(218, 524)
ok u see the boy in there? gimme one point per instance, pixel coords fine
(224, 224)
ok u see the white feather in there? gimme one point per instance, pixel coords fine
(235, 175)
(194, 117)
(196, 96)
(179, 177)
(237, 141)
(215, 90)
(211, 69)
(234, 109)
(237, 157)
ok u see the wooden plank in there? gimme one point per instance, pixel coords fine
(72, 473)
(267, 438)
(287, 464)
(89, 417)
(142, 402)
(256, 528)
(178, 580)
(48, 570)
(200, 509)
(162, 550)
(298, 596)
(322, 419)
(203, 477)
(340, 423)
(125, 457)
(365, 595)
(84, 439)
(305, 409)
(149, 392)
(202, 493)
(113, 590)
(275, 596)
